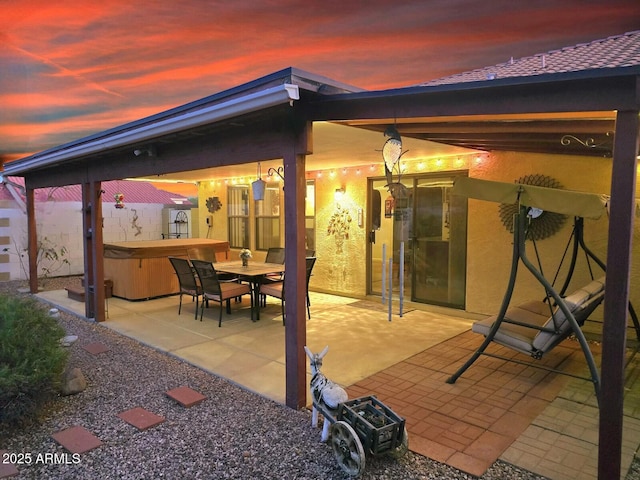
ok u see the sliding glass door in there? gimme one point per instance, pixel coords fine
(429, 228)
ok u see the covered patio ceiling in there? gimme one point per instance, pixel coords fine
(353, 143)
(335, 146)
(576, 133)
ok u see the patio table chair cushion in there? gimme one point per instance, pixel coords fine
(273, 289)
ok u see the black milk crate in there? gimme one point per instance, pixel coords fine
(379, 428)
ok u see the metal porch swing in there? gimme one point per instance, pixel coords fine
(536, 327)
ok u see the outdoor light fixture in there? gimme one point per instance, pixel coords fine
(149, 151)
(259, 185)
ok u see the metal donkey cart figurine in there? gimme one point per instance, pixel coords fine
(359, 426)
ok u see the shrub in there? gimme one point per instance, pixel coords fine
(31, 358)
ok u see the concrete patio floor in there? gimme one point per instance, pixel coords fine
(543, 422)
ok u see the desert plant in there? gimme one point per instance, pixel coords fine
(49, 257)
(31, 358)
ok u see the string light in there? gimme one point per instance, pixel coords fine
(409, 166)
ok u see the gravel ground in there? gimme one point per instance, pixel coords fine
(233, 434)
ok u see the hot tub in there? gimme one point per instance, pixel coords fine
(141, 270)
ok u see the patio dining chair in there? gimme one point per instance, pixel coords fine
(216, 290)
(276, 289)
(187, 279)
(274, 255)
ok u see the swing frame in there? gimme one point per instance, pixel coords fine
(520, 255)
(577, 235)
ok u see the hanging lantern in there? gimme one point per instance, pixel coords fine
(258, 186)
(119, 197)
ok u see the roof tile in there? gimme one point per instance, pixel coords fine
(612, 52)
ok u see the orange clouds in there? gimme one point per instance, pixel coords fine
(68, 69)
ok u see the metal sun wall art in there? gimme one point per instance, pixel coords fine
(213, 204)
(543, 224)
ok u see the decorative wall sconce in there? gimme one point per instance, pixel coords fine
(339, 194)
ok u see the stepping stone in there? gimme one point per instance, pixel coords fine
(96, 348)
(6, 469)
(141, 418)
(186, 396)
(68, 340)
(77, 439)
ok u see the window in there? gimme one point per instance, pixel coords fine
(238, 213)
(267, 215)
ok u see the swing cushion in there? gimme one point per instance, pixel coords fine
(530, 340)
(581, 304)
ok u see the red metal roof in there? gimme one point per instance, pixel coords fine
(134, 192)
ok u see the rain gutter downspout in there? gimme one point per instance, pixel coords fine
(238, 106)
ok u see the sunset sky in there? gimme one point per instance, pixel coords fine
(72, 68)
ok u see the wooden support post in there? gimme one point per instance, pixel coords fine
(87, 206)
(93, 251)
(295, 186)
(32, 240)
(97, 246)
(295, 281)
(616, 299)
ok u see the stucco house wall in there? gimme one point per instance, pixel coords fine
(490, 244)
(342, 270)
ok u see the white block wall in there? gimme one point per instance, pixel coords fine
(59, 224)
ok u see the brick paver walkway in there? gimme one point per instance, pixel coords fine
(469, 424)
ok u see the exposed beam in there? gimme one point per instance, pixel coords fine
(592, 127)
(228, 147)
(542, 94)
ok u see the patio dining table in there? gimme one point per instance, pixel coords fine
(254, 272)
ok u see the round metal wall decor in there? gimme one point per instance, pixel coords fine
(542, 224)
(213, 204)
